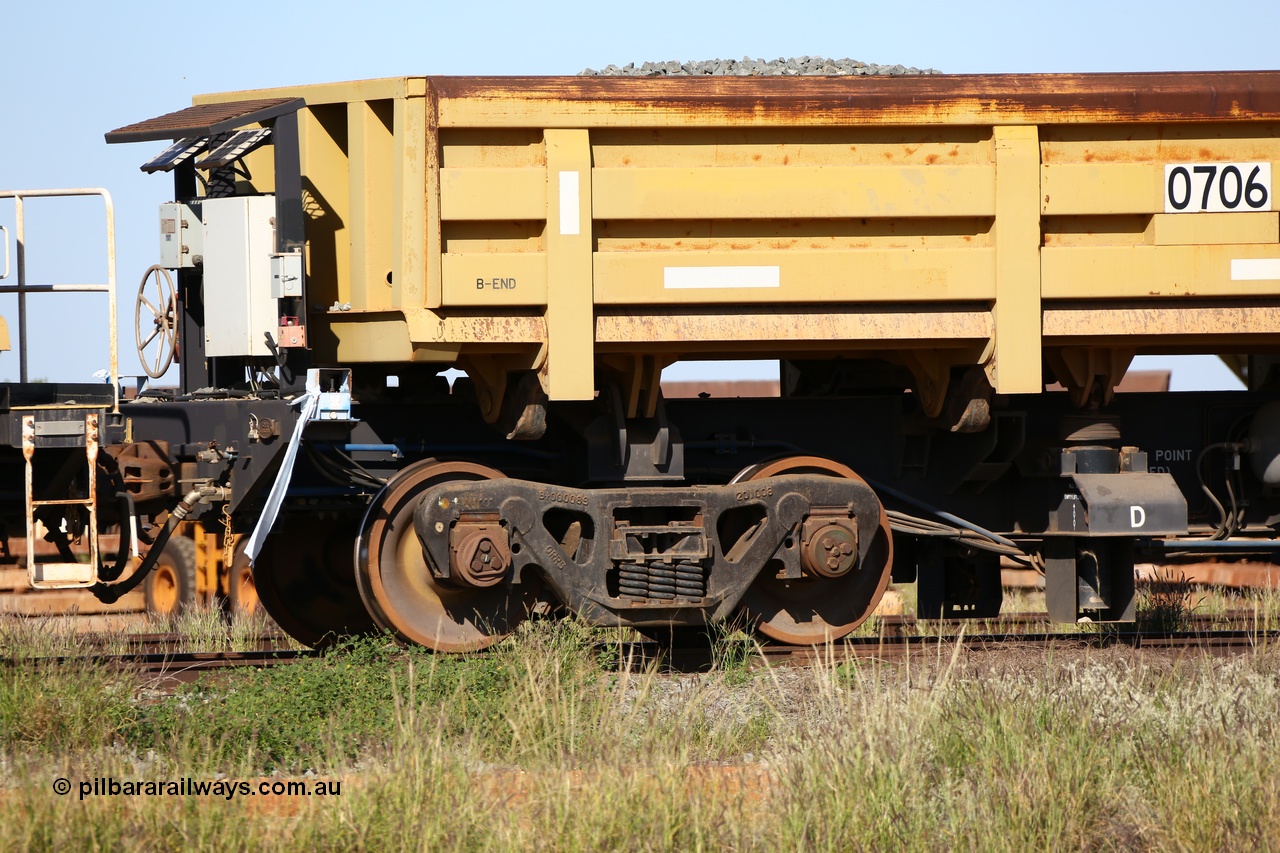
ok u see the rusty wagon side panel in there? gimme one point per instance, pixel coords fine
(568, 224)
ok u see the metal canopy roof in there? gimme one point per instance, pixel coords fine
(205, 120)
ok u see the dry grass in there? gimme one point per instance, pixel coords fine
(540, 747)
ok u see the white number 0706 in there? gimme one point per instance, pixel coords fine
(1218, 187)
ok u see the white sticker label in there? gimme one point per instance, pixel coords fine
(570, 212)
(699, 278)
(1217, 187)
(1255, 269)
(1137, 516)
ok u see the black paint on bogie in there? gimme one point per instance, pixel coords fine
(1007, 479)
(653, 556)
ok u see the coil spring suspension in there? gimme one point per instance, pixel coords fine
(662, 580)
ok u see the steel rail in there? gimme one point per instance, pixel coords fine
(172, 667)
(186, 666)
(894, 646)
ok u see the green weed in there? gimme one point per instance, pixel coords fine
(539, 746)
(1164, 603)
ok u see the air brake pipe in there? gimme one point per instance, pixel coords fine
(112, 572)
(109, 593)
(424, 447)
(879, 487)
(945, 516)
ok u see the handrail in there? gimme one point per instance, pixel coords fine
(22, 288)
(5, 232)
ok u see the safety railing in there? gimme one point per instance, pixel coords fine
(23, 287)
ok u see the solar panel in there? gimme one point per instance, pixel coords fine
(240, 144)
(178, 152)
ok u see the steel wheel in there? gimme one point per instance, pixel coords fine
(813, 610)
(304, 579)
(397, 585)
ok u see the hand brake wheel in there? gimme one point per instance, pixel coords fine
(161, 311)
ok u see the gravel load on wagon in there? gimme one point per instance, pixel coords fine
(804, 66)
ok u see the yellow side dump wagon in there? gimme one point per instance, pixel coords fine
(923, 256)
(563, 224)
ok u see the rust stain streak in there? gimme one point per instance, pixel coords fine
(1040, 98)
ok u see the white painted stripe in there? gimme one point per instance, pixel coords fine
(1255, 269)
(696, 278)
(570, 212)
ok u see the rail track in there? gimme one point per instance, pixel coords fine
(157, 658)
(1039, 622)
(167, 657)
(1217, 642)
(162, 669)
(159, 643)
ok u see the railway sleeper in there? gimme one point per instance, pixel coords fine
(653, 556)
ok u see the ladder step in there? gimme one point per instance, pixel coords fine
(62, 575)
(59, 575)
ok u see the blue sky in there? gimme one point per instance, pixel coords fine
(74, 70)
